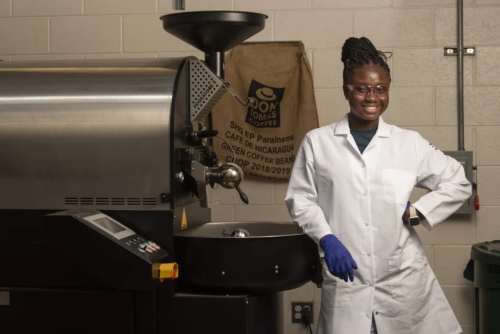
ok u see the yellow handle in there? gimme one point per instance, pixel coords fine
(165, 270)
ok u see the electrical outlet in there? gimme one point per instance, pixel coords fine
(300, 310)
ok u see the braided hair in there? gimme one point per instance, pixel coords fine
(357, 52)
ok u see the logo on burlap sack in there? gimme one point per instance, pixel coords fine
(265, 111)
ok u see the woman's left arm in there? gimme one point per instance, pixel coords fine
(445, 178)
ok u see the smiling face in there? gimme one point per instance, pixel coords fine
(366, 110)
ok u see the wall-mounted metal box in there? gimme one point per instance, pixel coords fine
(465, 158)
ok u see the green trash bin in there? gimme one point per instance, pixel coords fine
(484, 271)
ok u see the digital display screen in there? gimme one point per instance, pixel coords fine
(109, 225)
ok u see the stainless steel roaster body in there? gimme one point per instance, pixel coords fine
(130, 139)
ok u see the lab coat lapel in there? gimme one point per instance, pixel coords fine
(384, 131)
(352, 142)
(372, 143)
(342, 129)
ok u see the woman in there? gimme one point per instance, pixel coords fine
(350, 187)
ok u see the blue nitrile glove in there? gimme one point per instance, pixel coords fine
(338, 259)
(403, 218)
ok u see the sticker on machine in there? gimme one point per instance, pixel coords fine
(4, 298)
(184, 223)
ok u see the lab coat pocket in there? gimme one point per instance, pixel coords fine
(398, 185)
(334, 292)
(407, 275)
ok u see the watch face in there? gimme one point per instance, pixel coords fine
(414, 221)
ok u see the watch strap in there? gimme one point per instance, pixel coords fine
(413, 212)
(414, 219)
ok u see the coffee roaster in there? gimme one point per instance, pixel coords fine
(104, 213)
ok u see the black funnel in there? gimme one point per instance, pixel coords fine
(214, 32)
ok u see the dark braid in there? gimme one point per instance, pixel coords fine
(358, 52)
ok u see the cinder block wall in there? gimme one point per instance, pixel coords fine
(423, 94)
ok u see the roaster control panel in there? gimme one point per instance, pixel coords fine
(122, 235)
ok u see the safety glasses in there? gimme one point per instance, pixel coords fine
(363, 90)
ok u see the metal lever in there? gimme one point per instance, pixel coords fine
(198, 176)
(226, 84)
(207, 133)
(197, 135)
(243, 197)
(228, 176)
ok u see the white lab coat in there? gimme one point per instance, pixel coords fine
(361, 199)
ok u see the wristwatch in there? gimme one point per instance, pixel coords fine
(414, 218)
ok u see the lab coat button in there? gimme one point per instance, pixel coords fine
(367, 315)
(364, 194)
(376, 312)
(367, 224)
(369, 254)
(370, 284)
